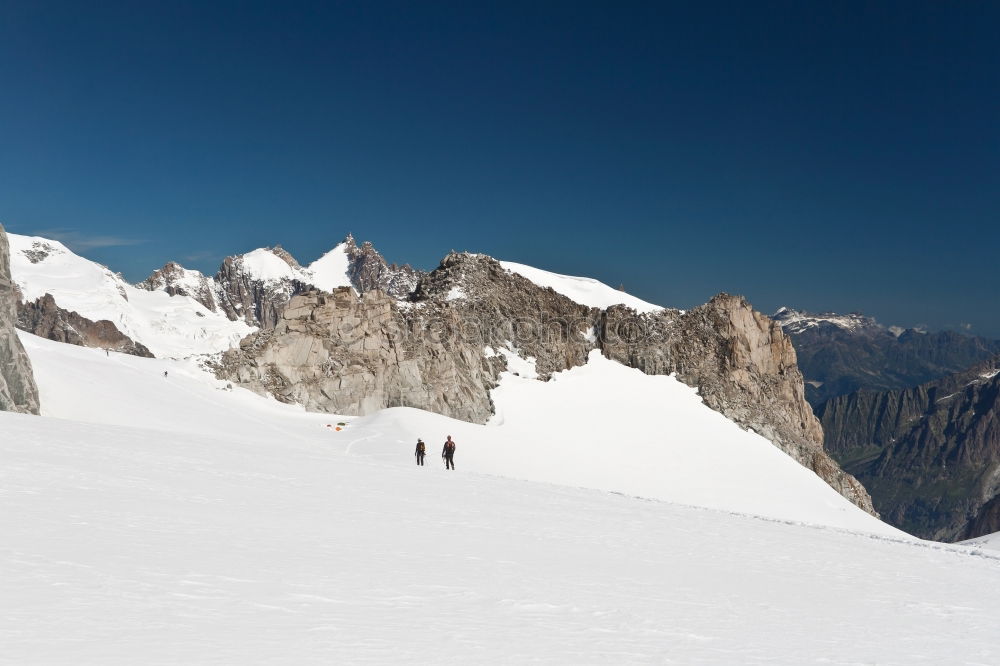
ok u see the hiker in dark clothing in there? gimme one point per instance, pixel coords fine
(421, 450)
(448, 453)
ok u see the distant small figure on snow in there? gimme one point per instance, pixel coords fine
(421, 451)
(448, 453)
(164, 373)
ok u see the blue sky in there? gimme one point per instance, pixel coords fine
(841, 156)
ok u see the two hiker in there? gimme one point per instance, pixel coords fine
(447, 453)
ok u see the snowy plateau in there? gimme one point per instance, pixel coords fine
(156, 515)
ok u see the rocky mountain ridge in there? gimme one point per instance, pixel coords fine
(442, 349)
(255, 287)
(44, 318)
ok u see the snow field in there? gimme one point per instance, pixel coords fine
(124, 546)
(600, 426)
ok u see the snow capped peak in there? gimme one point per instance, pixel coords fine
(170, 275)
(176, 280)
(332, 270)
(270, 266)
(169, 323)
(276, 265)
(36, 249)
(798, 321)
(40, 266)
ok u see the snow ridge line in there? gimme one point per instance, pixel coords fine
(958, 549)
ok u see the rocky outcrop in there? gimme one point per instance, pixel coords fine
(258, 302)
(44, 318)
(179, 281)
(503, 310)
(18, 392)
(744, 367)
(929, 455)
(354, 354)
(347, 354)
(369, 271)
(441, 350)
(840, 354)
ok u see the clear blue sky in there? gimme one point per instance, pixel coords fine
(825, 155)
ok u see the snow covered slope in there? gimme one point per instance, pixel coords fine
(332, 269)
(124, 546)
(327, 273)
(988, 541)
(601, 426)
(585, 291)
(170, 326)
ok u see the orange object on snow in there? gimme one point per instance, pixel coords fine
(338, 428)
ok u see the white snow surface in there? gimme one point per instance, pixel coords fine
(331, 270)
(988, 541)
(585, 291)
(601, 426)
(170, 326)
(265, 265)
(192, 524)
(327, 273)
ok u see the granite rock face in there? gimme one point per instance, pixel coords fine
(369, 271)
(46, 319)
(744, 367)
(986, 521)
(355, 355)
(929, 455)
(442, 350)
(18, 392)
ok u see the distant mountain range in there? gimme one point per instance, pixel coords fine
(839, 354)
(915, 416)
